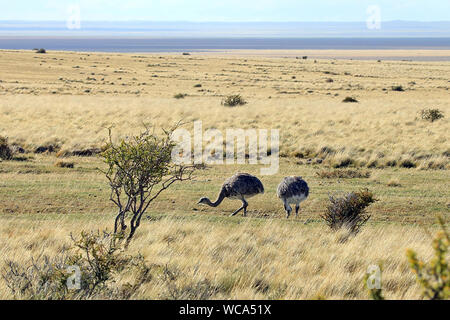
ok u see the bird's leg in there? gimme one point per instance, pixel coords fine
(244, 206)
(288, 209)
(297, 207)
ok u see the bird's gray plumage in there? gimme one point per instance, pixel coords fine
(292, 190)
(239, 186)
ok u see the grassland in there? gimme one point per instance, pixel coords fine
(67, 99)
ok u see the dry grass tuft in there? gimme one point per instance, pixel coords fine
(64, 164)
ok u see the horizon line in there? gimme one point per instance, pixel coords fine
(237, 21)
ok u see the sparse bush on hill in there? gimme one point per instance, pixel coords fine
(348, 211)
(5, 150)
(434, 277)
(431, 114)
(180, 96)
(234, 100)
(397, 88)
(349, 99)
(64, 164)
(348, 174)
(138, 170)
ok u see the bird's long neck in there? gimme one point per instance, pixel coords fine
(219, 199)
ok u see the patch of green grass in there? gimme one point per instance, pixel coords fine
(38, 187)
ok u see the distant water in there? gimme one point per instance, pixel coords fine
(201, 44)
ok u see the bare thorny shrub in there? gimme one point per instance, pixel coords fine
(348, 211)
(139, 170)
(99, 259)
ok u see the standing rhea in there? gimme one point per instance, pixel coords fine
(292, 190)
(240, 186)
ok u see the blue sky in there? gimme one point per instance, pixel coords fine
(227, 10)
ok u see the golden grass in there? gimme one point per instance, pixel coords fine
(248, 259)
(48, 101)
(67, 99)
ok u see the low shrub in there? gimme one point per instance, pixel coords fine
(5, 150)
(350, 100)
(234, 100)
(41, 50)
(47, 148)
(180, 95)
(431, 114)
(397, 88)
(406, 163)
(99, 260)
(64, 164)
(343, 174)
(348, 211)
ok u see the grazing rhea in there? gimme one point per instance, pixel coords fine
(292, 190)
(240, 186)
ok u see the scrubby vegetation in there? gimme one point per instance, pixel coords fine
(397, 88)
(5, 150)
(343, 174)
(64, 164)
(234, 100)
(180, 95)
(138, 170)
(349, 99)
(348, 211)
(431, 114)
(89, 269)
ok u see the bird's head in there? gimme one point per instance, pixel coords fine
(203, 200)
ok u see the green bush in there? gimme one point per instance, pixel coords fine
(343, 174)
(397, 88)
(348, 211)
(5, 150)
(139, 168)
(431, 114)
(349, 100)
(234, 100)
(180, 96)
(64, 164)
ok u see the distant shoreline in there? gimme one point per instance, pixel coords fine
(367, 55)
(176, 45)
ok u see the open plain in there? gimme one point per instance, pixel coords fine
(56, 106)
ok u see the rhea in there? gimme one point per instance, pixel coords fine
(292, 190)
(241, 186)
